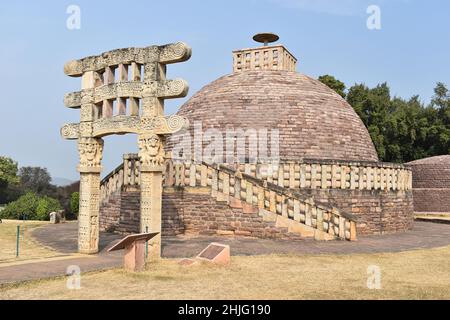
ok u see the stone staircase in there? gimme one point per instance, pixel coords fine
(253, 200)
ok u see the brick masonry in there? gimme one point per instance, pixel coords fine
(188, 212)
(313, 121)
(196, 212)
(377, 211)
(431, 184)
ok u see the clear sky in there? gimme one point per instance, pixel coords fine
(411, 52)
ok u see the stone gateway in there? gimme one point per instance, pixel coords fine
(112, 103)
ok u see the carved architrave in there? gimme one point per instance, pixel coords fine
(124, 124)
(167, 89)
(170, 53)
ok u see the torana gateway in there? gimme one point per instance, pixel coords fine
(123, 91)
(325, 180)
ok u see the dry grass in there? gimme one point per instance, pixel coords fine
(420, 274)
(28, 248)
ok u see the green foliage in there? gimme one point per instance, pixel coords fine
(74, 203)
(8, 170)
(26, 204)
(403, 130)
(31, 205)
(334, 84)
(8, 177)
(35, 179)
(45, 206)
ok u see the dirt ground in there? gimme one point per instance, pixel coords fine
(417, 274)
(28, 248)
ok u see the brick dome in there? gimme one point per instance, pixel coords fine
(313, 121)
(433, 172)
(431, 184)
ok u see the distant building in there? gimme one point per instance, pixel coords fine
(431, 184)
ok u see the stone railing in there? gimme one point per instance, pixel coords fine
(125, 175)
(264, 58)
(226, 182)
(324, 174)
(292, 175)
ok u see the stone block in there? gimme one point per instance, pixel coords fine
(248, 208)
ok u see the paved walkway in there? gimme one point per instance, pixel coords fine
(50, 268)
(62, 237)
(423, 235)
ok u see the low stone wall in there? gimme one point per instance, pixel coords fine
(431, 184)
(187, 210)
(121, 212)
(377, 211)
(431, 199)
(378, 194)
(190, 211)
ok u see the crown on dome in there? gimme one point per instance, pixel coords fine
(273, 57)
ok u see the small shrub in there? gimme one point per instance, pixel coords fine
(45, 206)
(32, 206)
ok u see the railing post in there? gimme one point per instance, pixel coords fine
(17, 241)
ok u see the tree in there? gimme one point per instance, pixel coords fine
(8, 176)
(74, 203)
(373, 107)
(403, 130)
(334, 84)
(45, 206)
(35, 179)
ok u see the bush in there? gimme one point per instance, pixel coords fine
(74, 203)
(45, 206)
(33, 206)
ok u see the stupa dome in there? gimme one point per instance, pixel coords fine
(313, 121)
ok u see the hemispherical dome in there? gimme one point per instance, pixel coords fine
(313, 121)
(433, 172)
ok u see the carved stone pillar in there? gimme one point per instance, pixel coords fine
(151, 153)
(90, 150)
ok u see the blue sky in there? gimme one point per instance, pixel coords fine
(411, 52)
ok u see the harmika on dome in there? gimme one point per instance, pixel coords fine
(327, 182)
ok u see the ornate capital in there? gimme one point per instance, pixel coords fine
(151, 151)
(91, 153)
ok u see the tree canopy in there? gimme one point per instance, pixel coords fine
(8, 176)
(401, 130)
(35, 179)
